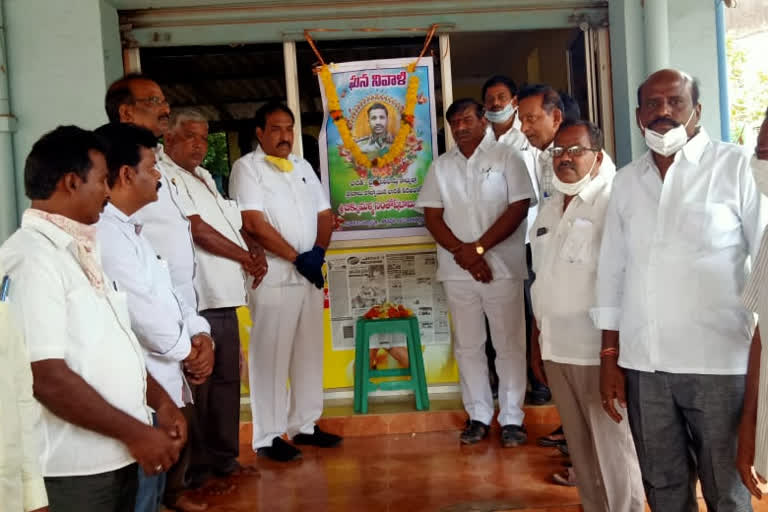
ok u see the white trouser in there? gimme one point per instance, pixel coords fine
(502, 302)
(286, 342)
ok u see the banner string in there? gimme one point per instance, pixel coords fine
(308, 36)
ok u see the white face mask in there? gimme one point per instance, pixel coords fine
(668, 143)
(761, 178)
(502, 116)
(572, 189)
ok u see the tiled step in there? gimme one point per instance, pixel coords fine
(400, 418)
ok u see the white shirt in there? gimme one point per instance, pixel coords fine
(565, 247)
(219, 282)
(674, 261)
(158, 319)
(290, 202)
(473, 193)
(517, 139)
(63, 317)
(756, 300)
(21, 482)
(166, 226)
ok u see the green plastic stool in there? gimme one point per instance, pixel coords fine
(363, 372)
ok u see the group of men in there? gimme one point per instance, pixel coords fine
(641, 290)
(127, 270)
(121, 288)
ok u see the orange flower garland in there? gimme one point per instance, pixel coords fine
(406, 120)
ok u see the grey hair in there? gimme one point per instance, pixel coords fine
(183, 115)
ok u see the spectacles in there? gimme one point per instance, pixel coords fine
(154, 101)
(557, 151)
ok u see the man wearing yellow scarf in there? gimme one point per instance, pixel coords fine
(286, 210)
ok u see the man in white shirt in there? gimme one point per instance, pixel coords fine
(223, 263)
(753, 431)
(682, 223)
(88, 368)
(565, 345)
(164, 325)
(138, 100)
(21, 482)
(541, 112)
(475, 200)
(500, 99)
(285, 208)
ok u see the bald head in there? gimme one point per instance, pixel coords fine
(674, 75)
(667, 99)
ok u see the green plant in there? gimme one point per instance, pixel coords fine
(747, 102)
(217, 159)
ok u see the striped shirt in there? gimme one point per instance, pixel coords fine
(756, 300)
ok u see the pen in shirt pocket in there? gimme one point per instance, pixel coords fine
(4, 287)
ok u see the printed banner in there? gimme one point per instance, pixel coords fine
(378, 202)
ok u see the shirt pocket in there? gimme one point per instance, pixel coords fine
(578, 246)
(707, 226)
(86, 322)
(118, 301)
(493, 186)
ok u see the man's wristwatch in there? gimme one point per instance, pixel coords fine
(479, 249)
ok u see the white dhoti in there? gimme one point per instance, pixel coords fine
(502, 302)
(286, 343)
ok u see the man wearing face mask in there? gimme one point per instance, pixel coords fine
(681, 225)
(500, 98)
(565, 346)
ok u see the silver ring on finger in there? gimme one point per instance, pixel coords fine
(159, 468)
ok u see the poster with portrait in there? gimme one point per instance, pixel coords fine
(377, 202)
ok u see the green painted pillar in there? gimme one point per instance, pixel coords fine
(8, 217)
(656, 35)
(61, 56)
(627, 72)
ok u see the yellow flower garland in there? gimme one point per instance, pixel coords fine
(406, 120)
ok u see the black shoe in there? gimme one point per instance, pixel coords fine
(474, 432)
(540, 394)
(564, 449)
(554, 438)
(318, 438)
(513, 435)
(279, 451)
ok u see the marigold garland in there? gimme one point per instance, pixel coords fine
(406, 120)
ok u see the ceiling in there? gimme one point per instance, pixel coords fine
(228, 83)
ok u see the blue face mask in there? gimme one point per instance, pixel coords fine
(502, 116)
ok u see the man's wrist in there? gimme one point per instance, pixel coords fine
(245, 257)
(456, 248)
(206, 335)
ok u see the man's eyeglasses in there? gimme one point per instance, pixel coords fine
(557, 151)
(155, 101)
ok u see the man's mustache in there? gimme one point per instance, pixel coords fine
(566, 165)
(284, 142)
(666, 120)
(159, 184)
